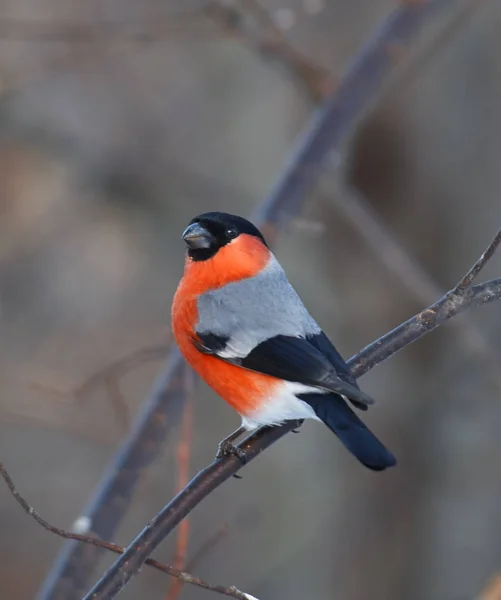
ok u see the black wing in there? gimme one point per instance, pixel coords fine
(293, 359)
(327, 348)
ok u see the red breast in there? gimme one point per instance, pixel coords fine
(244, 390)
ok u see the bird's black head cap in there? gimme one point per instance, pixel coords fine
(210, 231)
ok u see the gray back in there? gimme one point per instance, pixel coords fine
(253, 310)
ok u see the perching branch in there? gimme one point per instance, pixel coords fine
(181, 576)
(463, 296)
(353, 95)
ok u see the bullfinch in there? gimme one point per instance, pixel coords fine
(243, 328)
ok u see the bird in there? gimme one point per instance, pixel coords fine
(243, 328)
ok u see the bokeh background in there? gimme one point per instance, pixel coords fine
(119, 121)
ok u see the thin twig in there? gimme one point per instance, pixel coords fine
(451, 304)
(208, 546)
(180, 575)
(118, 402)
(87, 43)
(157, 417)
(352, 205)
(455, 301)
(113, 370)
(466, 281)
(262, 35)
(183, 474)
(354, 94)
(109, 377)
(119, 368)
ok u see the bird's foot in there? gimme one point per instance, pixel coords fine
(226, 448)
(295, 430)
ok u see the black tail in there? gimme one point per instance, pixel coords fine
(352, 432)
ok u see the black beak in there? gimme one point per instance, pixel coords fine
(197, 237)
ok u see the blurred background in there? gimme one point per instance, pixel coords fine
(120, 121)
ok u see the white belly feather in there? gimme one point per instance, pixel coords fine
(282, 406)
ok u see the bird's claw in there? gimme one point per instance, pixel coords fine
(226, 448)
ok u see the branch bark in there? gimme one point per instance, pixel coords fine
(111, 500)
(180, 575)
(463, 296)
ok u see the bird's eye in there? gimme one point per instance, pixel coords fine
(231, 233)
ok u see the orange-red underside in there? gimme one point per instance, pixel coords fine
(244, 257)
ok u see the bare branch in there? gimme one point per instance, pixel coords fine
(261, 34)
(467, 280)
(180, 575)
(158, 416)
(451, 304)
(87, 42)
(114, 370)
(109, 377)
(118, 402)
(460, 298)
(363, 218)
